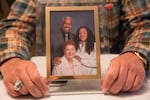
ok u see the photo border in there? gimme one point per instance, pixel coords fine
(48, 11)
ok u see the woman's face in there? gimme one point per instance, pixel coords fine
(69, 51)
(83, 34)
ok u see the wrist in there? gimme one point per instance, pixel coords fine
(6, 64)
(141, 57)
(6, 60)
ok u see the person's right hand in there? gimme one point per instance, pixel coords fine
(26, 71)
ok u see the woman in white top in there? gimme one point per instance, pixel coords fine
(69, 65)
(86, 49)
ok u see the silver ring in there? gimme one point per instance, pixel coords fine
(18, 85)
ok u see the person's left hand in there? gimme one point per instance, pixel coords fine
(126, 73)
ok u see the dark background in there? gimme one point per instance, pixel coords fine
(5, 7)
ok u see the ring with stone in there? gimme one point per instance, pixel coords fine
(18, 85)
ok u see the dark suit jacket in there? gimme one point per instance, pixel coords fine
(57, 43)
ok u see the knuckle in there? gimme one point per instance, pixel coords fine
(111, 76)
(125, 88)
(35, 78)
(19, 68)
(31, 86)
(5, 80)
(142, 73)
(135, 88)
(119, 85)
(113, 61)
(31, 63)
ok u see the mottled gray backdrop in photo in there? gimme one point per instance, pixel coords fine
(80, 18)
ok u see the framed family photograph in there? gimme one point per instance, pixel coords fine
(72, 42)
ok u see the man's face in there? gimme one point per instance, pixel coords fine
(67, 25)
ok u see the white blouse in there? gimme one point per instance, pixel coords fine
(87, 60)
(66, 69)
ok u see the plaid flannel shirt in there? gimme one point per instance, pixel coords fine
(127, 20)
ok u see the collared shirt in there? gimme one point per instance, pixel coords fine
(124, 20)
(66, 36)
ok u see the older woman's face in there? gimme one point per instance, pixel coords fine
(69, 51)
(82, 34)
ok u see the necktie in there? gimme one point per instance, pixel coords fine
(66, 37)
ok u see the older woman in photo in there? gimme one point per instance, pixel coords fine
(69, 65)
(86, 49)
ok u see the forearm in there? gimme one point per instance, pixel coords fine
(17, 32)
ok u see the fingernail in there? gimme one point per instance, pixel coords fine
(46, 93)
(104, 89)
(102, 85)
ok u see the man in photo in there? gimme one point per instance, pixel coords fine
(58, 38)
